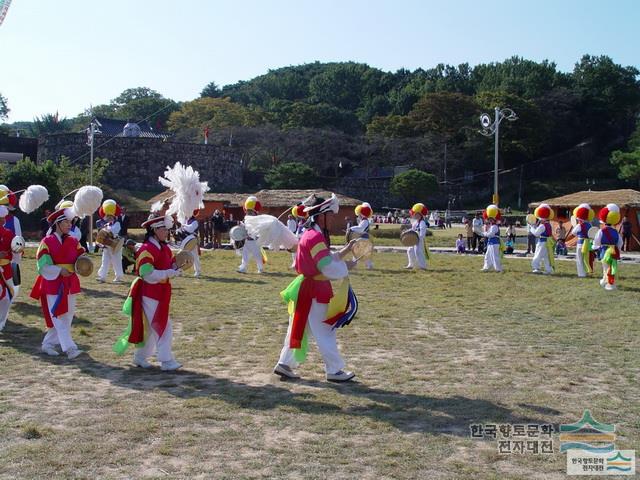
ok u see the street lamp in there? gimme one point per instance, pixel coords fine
(493, 128)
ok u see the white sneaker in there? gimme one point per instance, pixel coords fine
(285, 371)
(535, 271)
(608, 286)
(73, 353)
(340, 376)
(141, 362)
(603, 282)
(242, 269)
(170, 366)
(484, 270)
(408, 267)
(100, 280)
(50, 351)
(196, 275)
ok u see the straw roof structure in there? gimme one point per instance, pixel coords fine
(268, 198)
(624, 198)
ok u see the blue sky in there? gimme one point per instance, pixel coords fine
(67, 55)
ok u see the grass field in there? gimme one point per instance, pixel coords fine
(434, 352)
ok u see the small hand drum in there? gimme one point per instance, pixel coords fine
(17, 244)
(531, 219)
(83, 266)
(238, 235)
(409, 238)
(184, 260)
(363, 247)
(189, 243)
(574, 221)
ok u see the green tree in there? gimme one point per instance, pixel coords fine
(72, 176)
(215, 113)
(610, 94)
(211, 90)
(49, 123)
(26, 172)
(291, 175)
(628, 164)
(4, 107)
(444, 113)
(413, 185)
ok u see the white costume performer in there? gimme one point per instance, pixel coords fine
(251, 249)
(584, 262)
(609, 242)
(492, 234)
(416, 254)
(191, 229)
(543, 256)
(111, 258)
(363, 213)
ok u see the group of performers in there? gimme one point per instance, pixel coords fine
(604, 242)
(316, 308)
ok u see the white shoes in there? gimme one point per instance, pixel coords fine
(73, 353)
(608, 286)
(52, 352)
(141, 362)
(170, 366)
(603, 282)
(285, 371)
(484, 270)
(535, 270)
(340, 376)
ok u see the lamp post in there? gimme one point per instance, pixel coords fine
(493, 128)
(91, 132)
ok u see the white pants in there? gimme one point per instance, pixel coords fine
(541, 258)
(605, 277)
(16, 288)
(250, 249)
(60, 334)
(154, 344)
(416, 256)
(325, 337)
(492, 258)
(196, 261)
(5, 303)
(111, 259)
(582, 272)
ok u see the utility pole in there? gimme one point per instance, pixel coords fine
(91, 132)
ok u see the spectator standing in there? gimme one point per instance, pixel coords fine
(625, 230)
(477, 227)
(217, 221)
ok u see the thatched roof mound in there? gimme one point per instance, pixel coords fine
(625, 198)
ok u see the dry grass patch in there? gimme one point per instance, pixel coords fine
(434, 352)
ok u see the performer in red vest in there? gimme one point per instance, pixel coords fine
(150, 328)
(57, 283)
(310, 294)
(7, 289)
